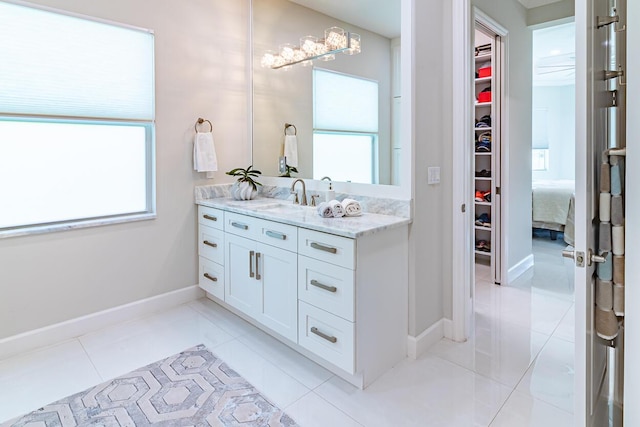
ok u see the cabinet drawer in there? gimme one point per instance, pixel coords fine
(327, 286)
(327, 336)
(242, 225)
(211, 243)
(276, 234)
(327, 247)
(211, 277)
(211, 217)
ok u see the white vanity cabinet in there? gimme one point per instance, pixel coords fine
(341, 301)
(261, 275)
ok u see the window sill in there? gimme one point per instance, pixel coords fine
(74, 225)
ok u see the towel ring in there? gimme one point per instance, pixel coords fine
(201, 121)
(289, 125)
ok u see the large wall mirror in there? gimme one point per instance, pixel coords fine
(345, 111)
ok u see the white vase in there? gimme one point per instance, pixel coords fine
(243, 191)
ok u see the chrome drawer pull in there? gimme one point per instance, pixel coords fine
(325, 287)
(329, 249)
(240, 225)
(251, 263)
(257, 266)
(208, 243)
(315, 330)
(276, 235)
(213, 279)
(212, 218)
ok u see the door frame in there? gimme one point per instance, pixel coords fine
(463, 276)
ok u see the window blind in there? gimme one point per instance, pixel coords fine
(63, 65)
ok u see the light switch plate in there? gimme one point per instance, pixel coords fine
(282, 164)
(433, 175)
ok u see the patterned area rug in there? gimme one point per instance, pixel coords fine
(193, 388)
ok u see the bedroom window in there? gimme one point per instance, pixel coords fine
(76, 121)
(540, 159)
(345, 121)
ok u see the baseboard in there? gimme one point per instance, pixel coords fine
(420, 344)
(519, 269)
(448, 328)
(73, 328)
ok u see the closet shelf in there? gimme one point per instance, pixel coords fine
(482, 178)
(481, 228)
(483, 204)
(485, 57)
(483, 253)
(483, 129)
(483, 153)
(483, 80)
(483, 104)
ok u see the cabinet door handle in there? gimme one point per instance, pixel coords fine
(329, 249)
(251, 263)
(317, 284)
(209, 217)
(240, 225)
(208, 243)
(276, 235)
(258, 277)
(329, 338)
(208, 276)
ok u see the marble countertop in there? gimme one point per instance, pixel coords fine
(307, 217)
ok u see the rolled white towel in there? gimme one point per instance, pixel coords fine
(336, 208)
(351, 207)
(324, 210)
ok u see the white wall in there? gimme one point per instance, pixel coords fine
(560, 103)
(201, 71)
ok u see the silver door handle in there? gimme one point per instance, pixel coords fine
(569, 253)
(331, 339)
(276, 235)
(251, 263)
(322, 286)
(240, 225)
(209, 217)
(208, 243)
(208, 276)
(577, 256)
(258, 277)
(329, 249)
(597, 258)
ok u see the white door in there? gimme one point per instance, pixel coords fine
(242, 290)
(277, 270)
(591, 140)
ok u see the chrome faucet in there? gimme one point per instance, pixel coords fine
(304, 192)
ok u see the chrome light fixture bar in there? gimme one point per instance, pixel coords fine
(336, 40)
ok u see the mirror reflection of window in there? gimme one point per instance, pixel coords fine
(345, 127)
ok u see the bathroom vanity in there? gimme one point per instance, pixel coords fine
(334, 289)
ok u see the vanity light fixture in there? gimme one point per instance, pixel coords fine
(336, 40)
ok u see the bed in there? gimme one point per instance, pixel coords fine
(553, 207)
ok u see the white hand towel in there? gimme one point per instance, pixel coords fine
(291, 150)
(336, 208)
(204, 153)
(351, 207)
(324, 210)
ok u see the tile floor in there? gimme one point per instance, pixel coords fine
(515, 371)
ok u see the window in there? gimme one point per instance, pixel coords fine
(345, 122)
(76, 120)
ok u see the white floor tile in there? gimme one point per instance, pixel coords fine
(276, 385)
(127, 346)
(32, 380)
(499, 350)
(550, 377)
(290, 361)
(426, 392)
(566, 329)
(522, 410)
(313, 411)
(221, 317)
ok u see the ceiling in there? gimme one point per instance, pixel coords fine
(382, 16)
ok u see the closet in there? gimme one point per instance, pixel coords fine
(486, 152)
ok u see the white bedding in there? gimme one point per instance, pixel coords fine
(551, 201)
